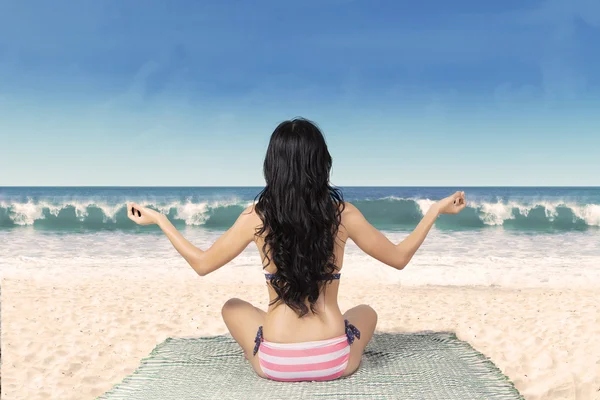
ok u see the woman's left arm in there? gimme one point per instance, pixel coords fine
(225, 249)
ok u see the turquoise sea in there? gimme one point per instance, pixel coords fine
(508, 236)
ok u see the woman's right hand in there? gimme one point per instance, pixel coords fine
(142, 215)
(452, 204)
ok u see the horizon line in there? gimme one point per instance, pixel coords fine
(342, 186)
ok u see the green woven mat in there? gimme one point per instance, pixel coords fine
(423, 366)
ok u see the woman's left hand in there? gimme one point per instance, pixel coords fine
(142, 215)
(452, 204)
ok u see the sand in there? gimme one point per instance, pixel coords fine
(76, 338)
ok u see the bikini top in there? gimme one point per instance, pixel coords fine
(270, 276)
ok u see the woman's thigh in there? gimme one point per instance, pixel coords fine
(364, 318)
(242, 320)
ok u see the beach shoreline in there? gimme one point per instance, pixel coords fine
(76, 338)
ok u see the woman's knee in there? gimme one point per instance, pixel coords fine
(363, 316)
(365, 310)
(370, 315)
(371, 312)
(231, 304)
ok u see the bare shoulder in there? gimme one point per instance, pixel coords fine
(249, 220)
(349, 208)
(349, 211)
(250, 216)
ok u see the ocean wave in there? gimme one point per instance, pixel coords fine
(385, 213)
(98, 215)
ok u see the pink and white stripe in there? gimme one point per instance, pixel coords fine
(321, 360)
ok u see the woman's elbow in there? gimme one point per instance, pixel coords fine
(400, 263)
(198, 266)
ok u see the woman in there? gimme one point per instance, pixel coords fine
(300, 225)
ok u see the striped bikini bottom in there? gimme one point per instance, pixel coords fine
(320, 360)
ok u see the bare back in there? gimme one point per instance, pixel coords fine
(282, 324)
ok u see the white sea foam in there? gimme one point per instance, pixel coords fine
(496, 213)
(425, 205)
(28, 212)
(490, 257)
(590, 213)
(25, 213)
(196, 213)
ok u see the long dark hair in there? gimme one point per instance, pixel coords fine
(301, 213)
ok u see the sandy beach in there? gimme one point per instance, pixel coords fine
(75, 339)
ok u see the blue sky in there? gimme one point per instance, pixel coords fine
(407, 93)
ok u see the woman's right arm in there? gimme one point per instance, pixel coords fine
(377, 245)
